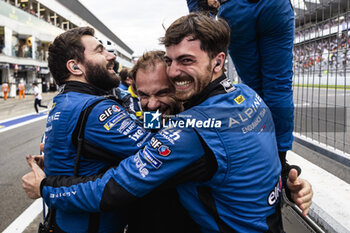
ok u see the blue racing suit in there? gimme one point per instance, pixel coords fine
(229, 126)
(261, 47)
(109, 130)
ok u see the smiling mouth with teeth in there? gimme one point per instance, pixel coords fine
(183, 83)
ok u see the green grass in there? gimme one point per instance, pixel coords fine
(323, 86)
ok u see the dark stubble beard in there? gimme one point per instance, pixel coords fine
(99, 76)
(201, 85)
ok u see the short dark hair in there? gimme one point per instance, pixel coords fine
(67, 46)
(147, 60)
(123, 74)
(213, 34)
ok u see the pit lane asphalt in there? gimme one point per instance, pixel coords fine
(14, 145)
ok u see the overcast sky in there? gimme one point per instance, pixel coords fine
(138, 23)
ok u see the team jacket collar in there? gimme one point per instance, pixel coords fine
(81, 87)
(219, 86)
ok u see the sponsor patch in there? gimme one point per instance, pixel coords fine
(275, 193)
(140, 166)
(137, 134)
(124, 125)
(164, 150)
(64, 194)
(155, 143)
(108, 112)
(239, 99)
(115, 108)
(171, 135)
(151, 159)
(129, 128)
(112, 122)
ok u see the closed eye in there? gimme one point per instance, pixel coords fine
(187, 61)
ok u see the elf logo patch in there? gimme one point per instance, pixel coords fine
(108, 112)
(163, 150)
(275, 193)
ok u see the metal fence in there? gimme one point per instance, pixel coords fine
(322, 72)
(321, 81)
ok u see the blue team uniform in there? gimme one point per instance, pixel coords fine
(109, 130)
(229, 126)
(261, 47)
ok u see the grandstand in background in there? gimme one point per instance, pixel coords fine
(28, 26)
(322, 73)
(321, 80)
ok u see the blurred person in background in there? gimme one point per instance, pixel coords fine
(5, 89)
(38, 97)
(126, 92)
(125, 80)
(21, 90)
(116, 65)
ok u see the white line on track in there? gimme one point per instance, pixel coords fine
(26, 218)
(21, 124)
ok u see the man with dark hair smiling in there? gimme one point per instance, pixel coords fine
(84, 70)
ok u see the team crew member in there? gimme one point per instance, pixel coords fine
(261, 47)
(83, 69)
(110, 132)
(157, 93)
(38, 98)
(125, 80)
(240, 186)
(5, 89)
(128, 96)
(21, 90)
